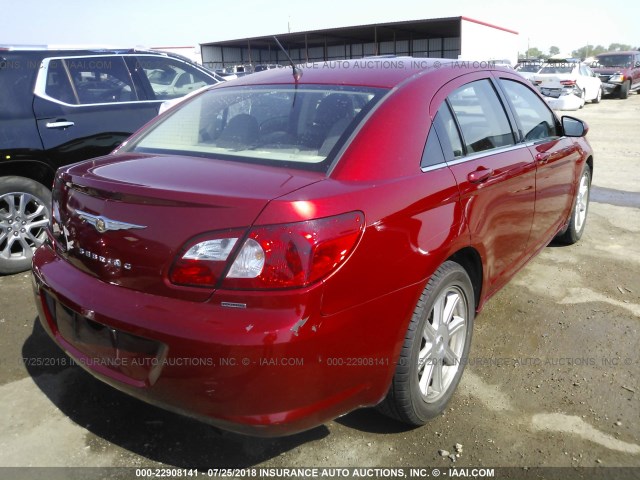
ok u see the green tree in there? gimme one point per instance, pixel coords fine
(554, 50)
(619, 47)
(588, 51)
(534, 52)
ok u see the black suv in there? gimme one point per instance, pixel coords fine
(62, 106)
(619, 72)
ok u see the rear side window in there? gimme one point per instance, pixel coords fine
(536, 120)
(101, 80)
(432, 154)
(58, 85)
(89, 80)
(448, 133)
(483, 122)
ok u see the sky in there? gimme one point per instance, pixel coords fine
(569, 24)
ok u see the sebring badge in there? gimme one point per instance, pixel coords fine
(103, 224)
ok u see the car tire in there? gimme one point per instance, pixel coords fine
(435, 349)
(578, 218)
(598, 96)
(624, 90)
(25, 209)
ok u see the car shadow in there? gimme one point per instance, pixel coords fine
(371, 421)
(141, 428)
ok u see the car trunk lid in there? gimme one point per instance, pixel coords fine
(124, 218)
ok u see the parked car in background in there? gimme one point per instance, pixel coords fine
(263, 67)
(166, 105)
(528, 67)
(619, 72)
(567, 84)
(279, 250)
(62, 106)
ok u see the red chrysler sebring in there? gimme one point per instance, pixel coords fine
(279, 250)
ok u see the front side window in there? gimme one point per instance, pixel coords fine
(171, 78)
(483, 122)
(300, 126)
(536, 120)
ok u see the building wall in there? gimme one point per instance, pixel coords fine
(192, 53)
(483, 42)
(215, 57)
(463, 39)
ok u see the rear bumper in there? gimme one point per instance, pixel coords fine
(268, 370)
(564, 102)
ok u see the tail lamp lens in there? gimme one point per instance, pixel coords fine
(272, 257)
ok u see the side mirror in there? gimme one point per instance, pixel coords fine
(574, 127)
(637, 64)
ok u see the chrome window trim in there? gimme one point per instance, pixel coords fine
(493, 151)
(430, 168)
(41, 83)
(41, 80)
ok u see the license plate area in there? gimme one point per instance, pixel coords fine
(102, 346)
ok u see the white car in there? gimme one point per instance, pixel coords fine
(568, 85)
(167, 104)
(528, 68)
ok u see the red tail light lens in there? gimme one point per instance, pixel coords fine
(296, 254)
(204, 260)
(271, 257)
(568, 83)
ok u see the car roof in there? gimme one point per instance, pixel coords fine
(626, 52)
(383, 72)
(44, 50)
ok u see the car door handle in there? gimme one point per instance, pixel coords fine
(543, 157)
(479, 175)
(59, 124)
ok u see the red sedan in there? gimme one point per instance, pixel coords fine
(277, 251)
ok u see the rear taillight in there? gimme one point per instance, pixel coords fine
(568, 83)
(203, 261)
(271, 257)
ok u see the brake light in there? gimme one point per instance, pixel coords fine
(568, 83)
(204, 260)
(271, 257)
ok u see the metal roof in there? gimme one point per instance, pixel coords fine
(378, 32)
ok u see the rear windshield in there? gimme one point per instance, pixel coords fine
(301, 127)
(528, 67)
(558, 68)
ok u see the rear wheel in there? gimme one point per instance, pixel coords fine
(578, 218)
(624, 89)
(435, 349)
(24, 215)
(598, 96)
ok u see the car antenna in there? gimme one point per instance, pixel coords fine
(297, 73)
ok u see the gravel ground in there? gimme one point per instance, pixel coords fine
(553, 378)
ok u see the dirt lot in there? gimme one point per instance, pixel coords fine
(553, 380)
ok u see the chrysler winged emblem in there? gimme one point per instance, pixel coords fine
(103, 224)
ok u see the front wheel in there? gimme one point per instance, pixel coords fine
(624, 89)
(435, 349)
(24, 215)
(578, 218)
